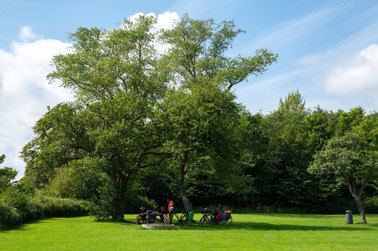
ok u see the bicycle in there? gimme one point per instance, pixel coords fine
(207, 218)
(185, 218)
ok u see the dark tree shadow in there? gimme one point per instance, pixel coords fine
(253, 226)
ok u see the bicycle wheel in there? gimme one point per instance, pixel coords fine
(229, 221)
(184, 219)
(204, 220)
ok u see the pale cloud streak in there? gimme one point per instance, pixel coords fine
(282, 35)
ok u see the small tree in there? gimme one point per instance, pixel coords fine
(349, 159)
(7, 174)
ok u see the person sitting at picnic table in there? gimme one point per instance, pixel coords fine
(163, 214)
(170, 210)
(141, 215)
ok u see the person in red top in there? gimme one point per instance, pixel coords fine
(170, 210)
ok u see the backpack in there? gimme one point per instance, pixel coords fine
(219, 218)
(224, 216)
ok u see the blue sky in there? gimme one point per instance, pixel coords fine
(328, 50)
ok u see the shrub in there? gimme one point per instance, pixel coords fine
(32, 211)
(60, 207)
(9, 216)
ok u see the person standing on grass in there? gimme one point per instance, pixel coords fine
(170, 210)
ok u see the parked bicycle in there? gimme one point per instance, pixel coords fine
(207, 217)
(215, 217)
(184, 218)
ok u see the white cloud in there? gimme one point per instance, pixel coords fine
(26, 34)
(164, 21)
(25, 93)
(356, 78)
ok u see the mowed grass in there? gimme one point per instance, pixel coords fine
(247, 232)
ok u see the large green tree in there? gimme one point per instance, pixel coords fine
(199, 127)
(201, 113)
(115, 79)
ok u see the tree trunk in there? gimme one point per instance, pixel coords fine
(185, 200)
(360, 208)
(121, 210)
(121, 187)
(357, 198)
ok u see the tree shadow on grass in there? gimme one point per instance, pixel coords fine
(257, 226)
(22, 226)
(124, 222)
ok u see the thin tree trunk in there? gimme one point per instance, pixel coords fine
(357, 198)
(360, 208)
(185, 200)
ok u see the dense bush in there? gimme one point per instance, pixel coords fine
(18, 206)
(61, 207)
(9, 216)
(19, 200)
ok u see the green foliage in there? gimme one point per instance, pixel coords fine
(145, 126)
(198, 50)
(158, 184)
(9, 216)
(349, 159)
(115, 77)
(7, 174)
(19, 206)
(61, 207)
(77, 181)
(371, 205)
(281, 176)
(199, 116)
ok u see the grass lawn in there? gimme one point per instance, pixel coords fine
(247, 232)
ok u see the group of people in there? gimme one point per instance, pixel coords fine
(162, 213)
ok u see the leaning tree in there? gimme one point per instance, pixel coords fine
(352, 161)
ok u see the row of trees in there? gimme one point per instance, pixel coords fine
(146, 126)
